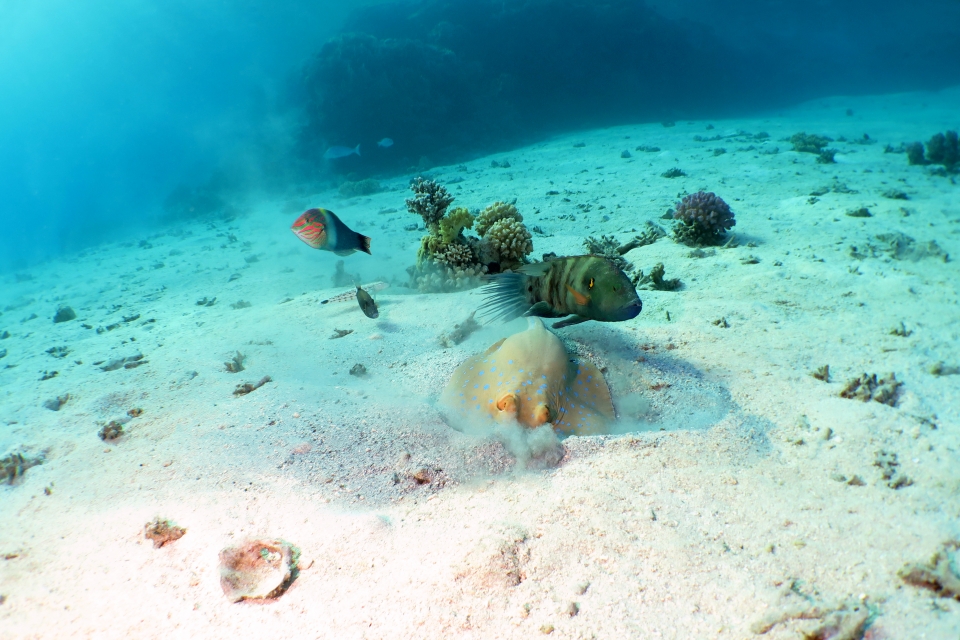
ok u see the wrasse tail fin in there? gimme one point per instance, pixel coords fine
(364, 243)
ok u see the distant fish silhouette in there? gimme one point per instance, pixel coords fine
(322, 229)
(341, 152)
(386, 142)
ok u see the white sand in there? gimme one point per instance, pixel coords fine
(721, 510)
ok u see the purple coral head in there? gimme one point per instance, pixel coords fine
(705, 210)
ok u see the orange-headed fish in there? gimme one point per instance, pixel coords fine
(322, 229)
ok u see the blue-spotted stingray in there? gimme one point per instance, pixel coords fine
(530, 378)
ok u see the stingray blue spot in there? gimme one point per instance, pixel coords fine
(480, 373)
(478, 407)
(486, 386)
(509, 361)
(474, 398)
(476, 386)
(493, 369)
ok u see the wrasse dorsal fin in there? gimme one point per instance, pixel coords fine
(537, 269)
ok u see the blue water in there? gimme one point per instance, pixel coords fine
(106, 108)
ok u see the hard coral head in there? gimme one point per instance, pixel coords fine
(707, 211)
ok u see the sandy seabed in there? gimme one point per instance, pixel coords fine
(748, 500)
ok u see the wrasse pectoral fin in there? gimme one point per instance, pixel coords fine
(543, 310)
(572, 320)
(578, 297)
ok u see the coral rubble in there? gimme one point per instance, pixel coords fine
(868, 387)
(703, 218)
(14, 465)
(162, 531)
(938, 574)
(809, 143)
(654, 281)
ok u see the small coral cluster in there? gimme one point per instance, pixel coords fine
(449, 260)
(703, 219)
(885, 390)
(942, 149)
(813, 143)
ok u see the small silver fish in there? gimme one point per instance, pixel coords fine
(341, 152)
(367, 305)
(386, 142)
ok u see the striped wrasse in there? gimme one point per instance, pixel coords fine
(584, 287)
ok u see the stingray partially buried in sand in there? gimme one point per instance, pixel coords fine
(530, 378)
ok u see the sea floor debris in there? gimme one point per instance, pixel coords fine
(162, 531)
(868, 387)
(257, 569)
(247, 387)
(938, 574)
(14, 465)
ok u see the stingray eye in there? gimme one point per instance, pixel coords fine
(590, 284)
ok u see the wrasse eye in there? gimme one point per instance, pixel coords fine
(590, 284)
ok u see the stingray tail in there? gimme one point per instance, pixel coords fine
(504, 297)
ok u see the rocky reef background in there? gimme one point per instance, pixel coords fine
(449, 79)
(181, 109)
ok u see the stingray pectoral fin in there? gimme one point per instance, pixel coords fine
(494, 347)
(572, 320)
(588, 424)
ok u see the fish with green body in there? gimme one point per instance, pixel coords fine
(584, 287)
(367, 305)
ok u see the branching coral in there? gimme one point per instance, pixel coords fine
(944, 148)
(495, 212)
(453, 223)
(507, 242)
(703, 219)
(430, 201)
(449, 260)
(655, 281)
(609, 247)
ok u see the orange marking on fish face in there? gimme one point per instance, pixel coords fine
(578, 297)
(311, 229)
